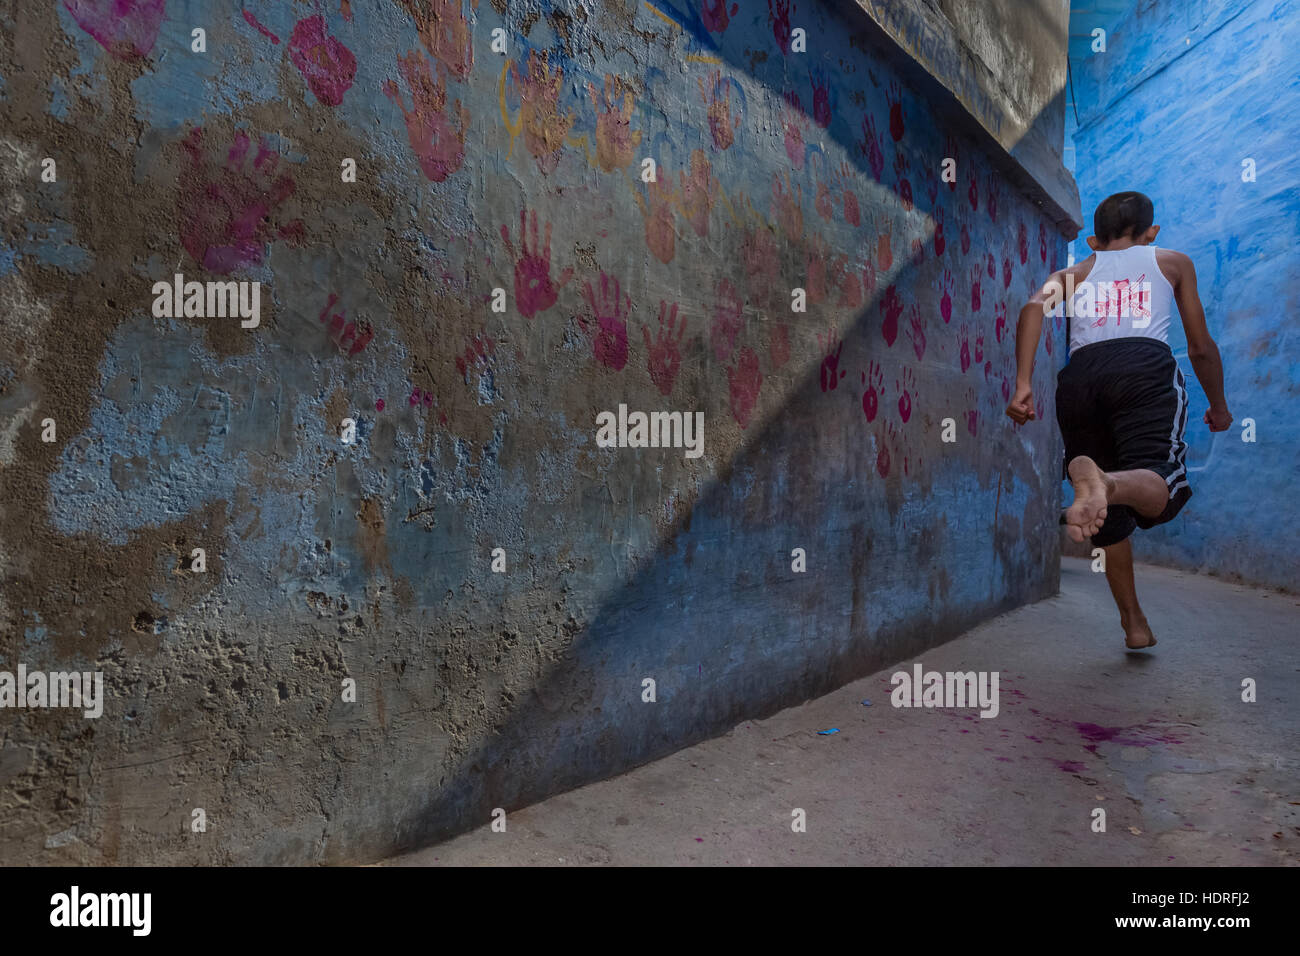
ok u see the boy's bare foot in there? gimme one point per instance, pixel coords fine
(1137, 632)
(1085, 517)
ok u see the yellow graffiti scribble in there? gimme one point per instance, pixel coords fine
(697, 58)
(662, 16)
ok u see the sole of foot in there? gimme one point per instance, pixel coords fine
(1087, 514)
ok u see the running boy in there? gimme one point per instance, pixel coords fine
(1120, 399)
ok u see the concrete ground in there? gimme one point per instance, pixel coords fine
(1187, 773)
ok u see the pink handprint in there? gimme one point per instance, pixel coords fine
(945, 304)
(325, 63)
(226, 212)
(534, 290)
(990, 265)
(793, 123)
(657, 209)
(127, 29)
(721, 123)
(1006, 272)
(1022, 242)
(665, 359)
(979, 345)
(610, 311)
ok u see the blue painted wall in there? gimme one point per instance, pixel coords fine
(1183, 95)
(476, 429)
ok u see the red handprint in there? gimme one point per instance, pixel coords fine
(665, 359)
(975, 289)
(972, 416)
(1022, 242)
(991, 200)
(973, 193)
(778, 14)
(873, 381)
(615, 138)
(963, 336)
(894, 96)
(979, 345)
(1042, 242)
(916, 331)
(713, 14)
(885, 254)
(727, 321)
(939, 242)
(743, 381)
(906, 388)
(778, 346)
(721, 123)
(534, 290)
(891, 307)
(884, 438)
(870, 146)
(1006, 272)
(945, 304)
(831, 347)
(965, 238)
(437, 137)
(990, 265)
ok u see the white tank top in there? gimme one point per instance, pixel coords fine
(1125, 295)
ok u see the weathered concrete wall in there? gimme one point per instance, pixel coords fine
(1182, 97)
(476, 429)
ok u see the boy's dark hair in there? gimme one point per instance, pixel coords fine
(1122, 216)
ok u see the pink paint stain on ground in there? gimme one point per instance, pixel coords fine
(253, 22)
(325, 63)
(127, 29)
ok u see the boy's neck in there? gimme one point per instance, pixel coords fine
(1115, 245)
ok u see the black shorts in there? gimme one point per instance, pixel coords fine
(1123, 403)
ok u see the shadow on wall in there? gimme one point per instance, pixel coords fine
(900, 562)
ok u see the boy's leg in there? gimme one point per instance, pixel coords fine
(1119, 575)
(1141, 489)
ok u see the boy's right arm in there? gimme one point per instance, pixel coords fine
(1202, 352)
